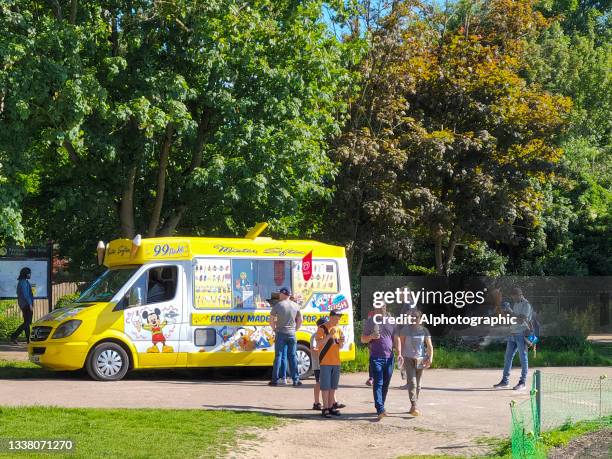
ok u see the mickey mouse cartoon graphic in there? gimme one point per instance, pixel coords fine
(155, 327)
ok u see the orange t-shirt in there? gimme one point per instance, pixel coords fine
(332, 357)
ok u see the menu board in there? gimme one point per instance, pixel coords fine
(213, 284)
(324, 279)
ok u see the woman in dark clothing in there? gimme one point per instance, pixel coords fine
(25, 300)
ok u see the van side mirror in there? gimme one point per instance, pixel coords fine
(136, 296)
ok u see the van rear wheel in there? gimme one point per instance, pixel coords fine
(108, 362)
(304, 361)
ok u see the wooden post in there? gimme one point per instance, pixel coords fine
(50, 274)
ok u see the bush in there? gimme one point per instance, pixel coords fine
(66, 300)
(6, 304)
(8, 324)
(361, 362)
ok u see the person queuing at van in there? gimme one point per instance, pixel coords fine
(329, 340)
(417, 354)
(285, 319)
(314, 358)
(380, 338)
(25, 300)
(522, 310)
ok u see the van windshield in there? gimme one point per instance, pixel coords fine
(107, 285)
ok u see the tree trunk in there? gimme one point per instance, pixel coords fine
(126, 209)
(172, 222)
(439, 254)
(57, 9)
(74, 157)
(450, 252)
(74, 6)
(114, 36)
(161, 181)
(359, 264)
(203, 132)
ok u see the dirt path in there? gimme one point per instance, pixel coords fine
(459, 409)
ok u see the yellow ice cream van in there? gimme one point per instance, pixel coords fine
(194, 302)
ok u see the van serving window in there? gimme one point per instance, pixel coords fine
(241, 283)
(255, 283)
(323, 279)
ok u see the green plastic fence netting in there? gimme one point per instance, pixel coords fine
(560, 400)
(523, 430)
(568, 399)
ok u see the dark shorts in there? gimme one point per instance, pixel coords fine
(317, 374)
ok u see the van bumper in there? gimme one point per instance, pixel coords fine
(58, 356)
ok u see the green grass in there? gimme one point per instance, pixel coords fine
(502, 448)
(563, 435)
(592, 354)
(131, 433)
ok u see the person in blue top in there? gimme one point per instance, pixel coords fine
(25, 300)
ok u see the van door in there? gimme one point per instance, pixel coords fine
(153, 316)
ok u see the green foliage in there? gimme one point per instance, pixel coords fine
(10, 318)
(466, 137)
(448, 143)
(67, 300)
(574, 60)
(153, 118)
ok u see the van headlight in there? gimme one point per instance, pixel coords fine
(66, 329)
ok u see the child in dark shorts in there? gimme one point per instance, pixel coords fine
(314, 357)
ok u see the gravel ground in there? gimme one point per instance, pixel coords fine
(594, 445)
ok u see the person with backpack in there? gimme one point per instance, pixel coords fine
(521, 309)
(329, 339)
(25, 300)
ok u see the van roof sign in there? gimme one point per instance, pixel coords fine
(123, 252)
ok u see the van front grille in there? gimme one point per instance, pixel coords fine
(40, 333)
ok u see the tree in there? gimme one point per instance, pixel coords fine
(463, 141)
(156, 116)
(574, 61)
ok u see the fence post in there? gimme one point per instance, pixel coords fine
(601, 380)
(537, 379)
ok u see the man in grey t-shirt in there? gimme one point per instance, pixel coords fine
(285, 319)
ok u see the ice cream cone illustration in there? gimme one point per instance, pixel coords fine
(135, 244)
(101, 249)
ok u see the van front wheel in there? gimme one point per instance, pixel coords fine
(304, 361)
(108, 362)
